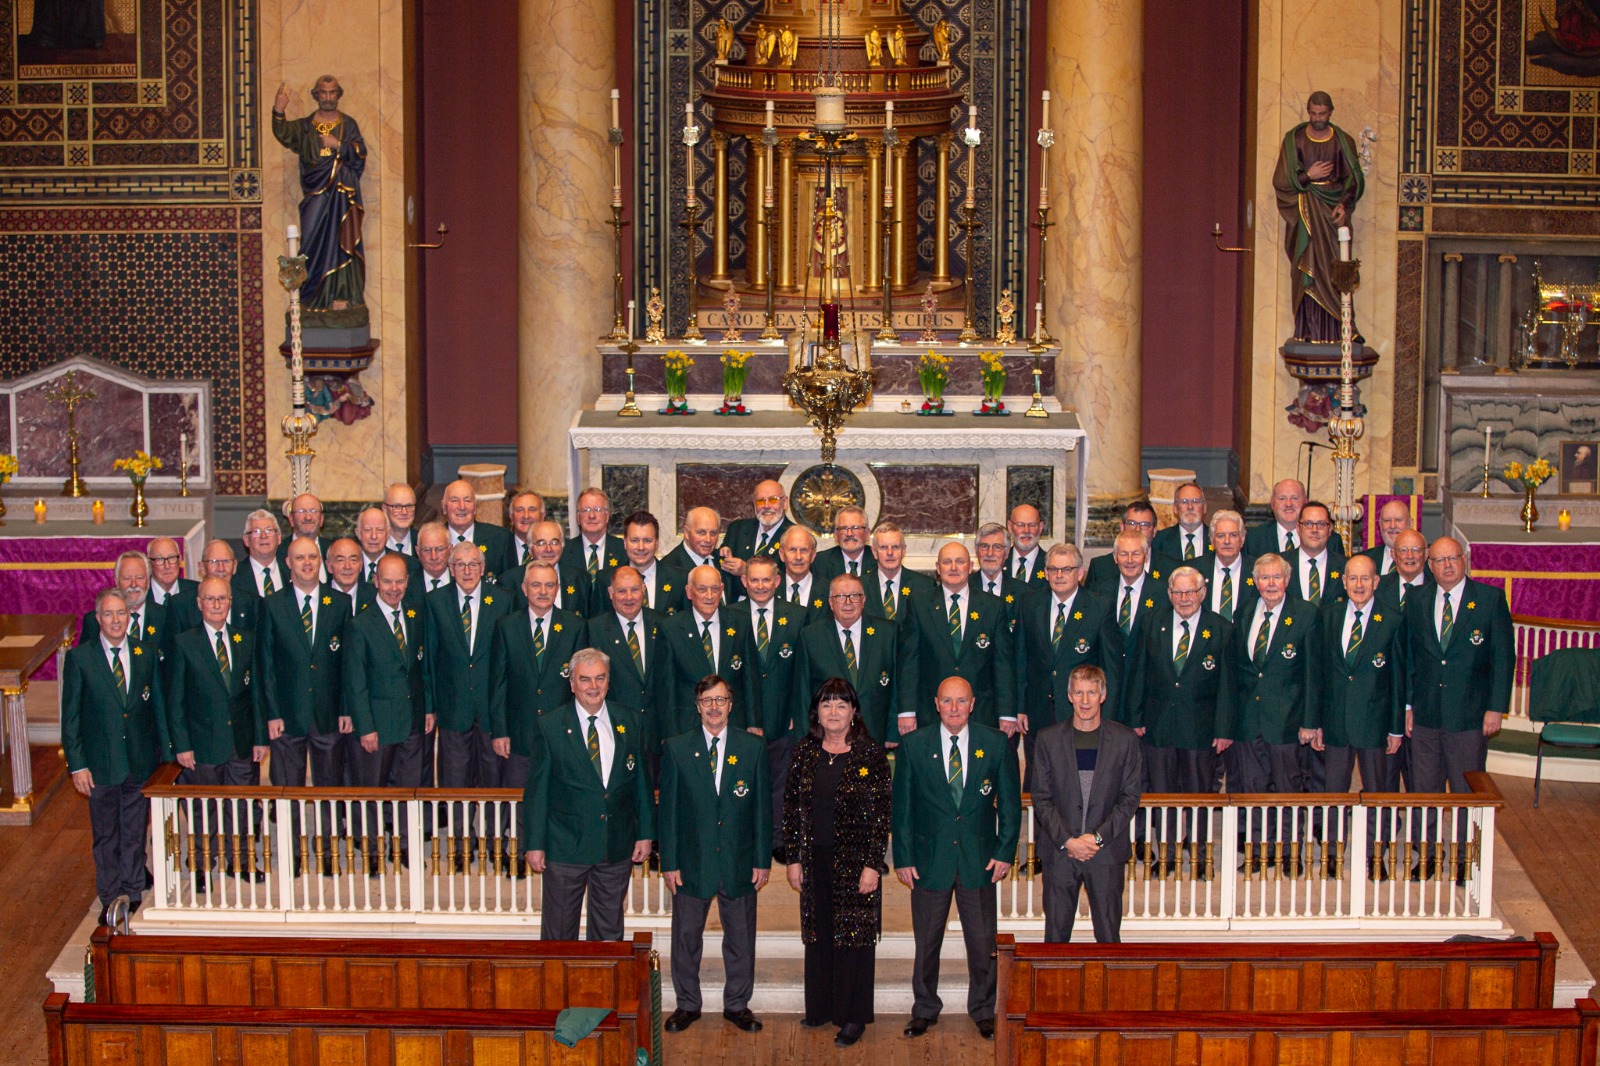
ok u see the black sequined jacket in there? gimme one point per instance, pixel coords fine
(861, 838)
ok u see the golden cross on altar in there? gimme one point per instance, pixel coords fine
(69, 393)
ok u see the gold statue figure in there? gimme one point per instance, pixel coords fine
(788, 47)
(765, 42)
(874, 48)
(724, 40)
(941, 40)
(897, 46)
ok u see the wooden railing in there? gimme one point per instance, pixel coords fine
(1538, 637)
(91, 1034)
(1203, 862)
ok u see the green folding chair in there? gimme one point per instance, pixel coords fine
(1564, 694)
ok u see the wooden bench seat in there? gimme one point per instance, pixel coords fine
(380, 974)
(95, 1034)
(1563, 1037)
(1217, 977)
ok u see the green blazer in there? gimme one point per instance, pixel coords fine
(1044, 664)
(1187, 710)
(716, 839)
(116, 738)
(684, 663)
(576, 554)
(156, 625)
(1359, 700)
(459, 680)
(740, 540)
(383, 691)
(1453, 687)
(1273, 691)
(951, 844)
(777, 666)
(567, 812)
(829, 564)
(526, 685)
(575, 594)
(665, 595)
(209, 714)
(883, 677)
(630, 688)
(986, 659)
(1332, 575)
(301, 678)
(495, 544)
(1013, 592)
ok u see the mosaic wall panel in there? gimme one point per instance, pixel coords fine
(161, 120)
(629, 490)
(674, 45)
(172, 293)
(724, 487)
(928, 499)
(1035, 486)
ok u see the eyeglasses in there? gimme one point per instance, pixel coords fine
(1190, 503)
(1315, 525)
(468, 565)
(849, 529)
(1409, 551)
(594, 510)
(163, 558)
(1132, 523)
(847, 597)
(306, 511)
(715, 701)
(261, 532)
(439, 550)
(1058, 571)
(768, 501)
(1187, 592)
(1446, 559)
(216, 599)
(546, 543)
(399, 507)
(1027, 525)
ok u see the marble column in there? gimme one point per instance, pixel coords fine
(1505, 330)
(1095, 58)
(941, 212)
(755, 270)
(1450, 344)
(874, 232)
(563, 240)
(719, 247)
(902, 250)
(786, 209)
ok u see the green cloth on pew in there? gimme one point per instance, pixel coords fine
(1569, 733)
(1565, 686)
(575, 1023)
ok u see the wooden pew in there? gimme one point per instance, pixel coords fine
(370, 974)
(94, 1034)
(1218, 977)
(1563, 1037)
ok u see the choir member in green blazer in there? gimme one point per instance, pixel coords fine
(299, 636)
(777, 625)
(460, 506)
(166, 563)
(708, 638)
(545, 546)
(631, 634)
(760, 535)
(593, 550)
(716, 843)
(588, 813)
(149, 624)
(850, 553)
(114, 735)
(1462, 658)
(957, 813)
(872, 654)
(459, 636)
(1272, 655)
(959, 633)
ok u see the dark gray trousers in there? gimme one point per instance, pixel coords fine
(930, 910)
(738, 916)
(564, 887)
(119, 816)
(1063, 875)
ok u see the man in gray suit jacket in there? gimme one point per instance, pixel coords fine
(1085, 793)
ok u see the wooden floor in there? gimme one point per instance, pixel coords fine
(47, 884)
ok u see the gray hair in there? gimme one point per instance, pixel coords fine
(989, 529)
(588, 657)
(1270, 561)
(1218, 516)
(1065, 548)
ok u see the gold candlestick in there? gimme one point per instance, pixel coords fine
(1041, 335)
(969, 328)
(1485, 493)
(70, 394)
(1036, 409)
(619, 332)
(630, 406)
(691, 223)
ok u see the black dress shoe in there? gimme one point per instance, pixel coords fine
(680, 1019)
(812, 1023)
(918, 1026)
(986, 1028)
(744, 1019)
(849, 1033)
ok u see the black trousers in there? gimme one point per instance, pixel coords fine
(287, 768)
(1380, 772)
(930, 910)
(222, 816)
(564, 887)
(1100, 877)
(119, 817)
(780, 753)
(391, 766)
(1183, 770)
(738, 916)
(1441, 757)
(839, 981)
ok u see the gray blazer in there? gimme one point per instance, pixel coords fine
(1113, 798)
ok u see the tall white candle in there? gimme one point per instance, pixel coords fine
(972, 155)
(767, 197)
(1344, 244)
(294, 240)
(1038, 319)
(688, 156)
(1044, 151)
(183, 453)
(630, 321)
(1488, 436)
(888, 114)
(616, 150)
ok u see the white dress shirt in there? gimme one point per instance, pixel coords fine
(602, 728)
(1028, 562)
(1236, 568)
(1456, 605)
(427, 579)
(966, 605)
(993, 584)
(124, 650)
(300, 602)
(962, 738)
(786, 589)
(1350, 609)
(256, 570)
(638, 631)
(1305, 563)
(715, 621)
(1179, 622)
(1272, 625)
(472, 601)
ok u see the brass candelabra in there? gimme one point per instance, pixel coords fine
(619, 331)
(70, 394)
(969, 328)
(886, 331)
(691, 225)
(770, 334)
(299, 425)
(1041, 335)
(630, 405)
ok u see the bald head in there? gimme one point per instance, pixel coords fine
(701, 527)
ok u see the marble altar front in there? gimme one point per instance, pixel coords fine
(934, 476)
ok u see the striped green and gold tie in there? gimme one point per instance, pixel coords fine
(957, 779)
(888, 600)
(761, 629)
(850, 663)
(714, 761)
(1181, 656)
(1355, 633)
(593, 737)
(1227, 594)
(399, 634)
(119, 673)
(305, 614)
(1447, 622)
(538, 637)
(267, 586)
(1314, 585)
(594, 559)
(706, 645)
(1262, 635)
(1188, 546)
(222, 655)
(1061, 624)
(955, 622)
(1125, 612)
(633, 647)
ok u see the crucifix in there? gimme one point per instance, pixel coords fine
(69, 395)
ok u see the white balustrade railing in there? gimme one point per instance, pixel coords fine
(1201, 863)
(1538, 637)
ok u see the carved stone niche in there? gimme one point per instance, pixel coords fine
(129, 413)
